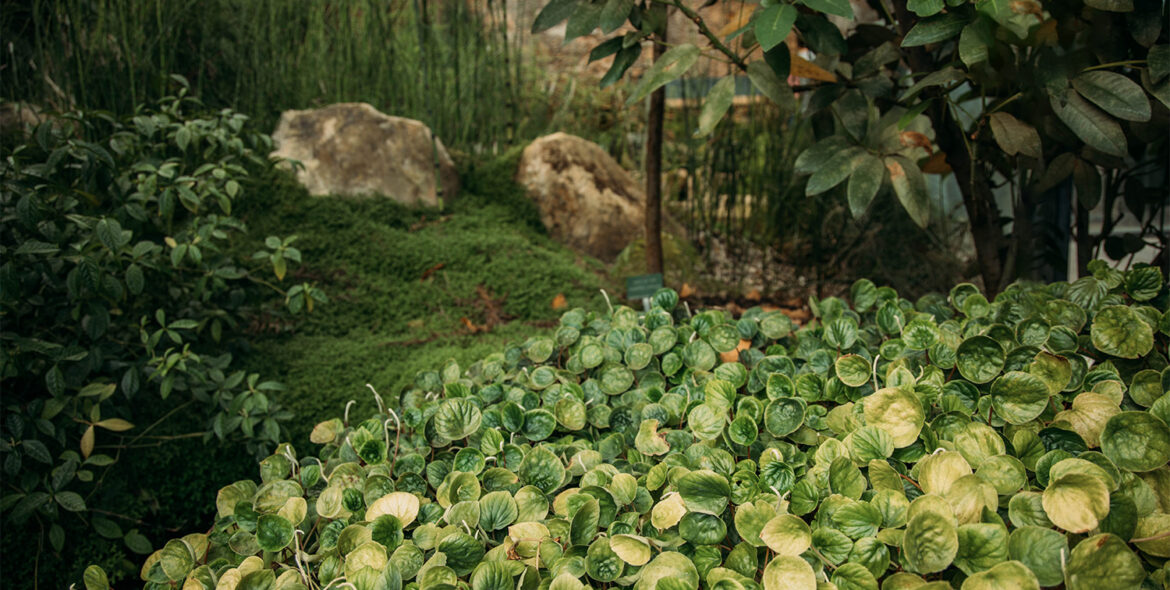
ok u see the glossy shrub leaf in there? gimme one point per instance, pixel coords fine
(1116, 94)
(716, 104)
(773, 24)
(1092, 126)
(672, 65)
(1015, 136)
(864, 183)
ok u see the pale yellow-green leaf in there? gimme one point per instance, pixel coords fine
(402, 505)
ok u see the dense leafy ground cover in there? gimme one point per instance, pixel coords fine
(944, 443)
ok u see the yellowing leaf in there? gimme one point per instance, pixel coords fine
(402, 505)
(802, 68)
(115, 424)
(87, 443)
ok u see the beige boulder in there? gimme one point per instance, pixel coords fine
(353, 149)
(586, 199)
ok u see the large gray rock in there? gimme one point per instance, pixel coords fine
(586, 199)
(352, 149)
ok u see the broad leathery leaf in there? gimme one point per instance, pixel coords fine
(614, 14)
(810, 160)
(716, 105)
(553, 14)
(925, 8)
(1158, 61)
(773, 24)
(838, 7)
(1111, 5)
(1015, 136)
(934, 29)
(974, 41)
(1116, 94)
(1091, 125)
(910, 186)
(621, 62)
(834, 170)
(670, 66)
(770, 85)
(864, 183)
(583, 20)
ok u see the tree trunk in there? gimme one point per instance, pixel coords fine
(978, 200)
(653, 168)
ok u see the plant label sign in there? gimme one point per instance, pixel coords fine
(643, 286)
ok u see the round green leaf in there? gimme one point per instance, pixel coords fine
(542, 469)
(1076, 502)
(931, 542)
(1103, 561)
(1009, 575)
(457, 418)
(273, 532)
(979, 359)
(1019, 397)
(852, 370)
(1119, 331)
(1136, 441)
(787, 535)
(788, 572)
(897, 412)
(1042, 550)
(704, 491)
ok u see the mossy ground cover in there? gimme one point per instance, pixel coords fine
(409, 288)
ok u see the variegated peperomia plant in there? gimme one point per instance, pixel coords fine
(952, 442)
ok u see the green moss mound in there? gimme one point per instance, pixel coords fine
(409, 288)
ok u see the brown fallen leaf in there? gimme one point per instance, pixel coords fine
(559, 301)
(430, 271)
(754, 295)
(937, 164)
(686, 291)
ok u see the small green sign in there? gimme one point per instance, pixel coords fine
(643, 286)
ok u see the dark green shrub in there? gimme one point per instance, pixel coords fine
(1011, 443)
(121, 302)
